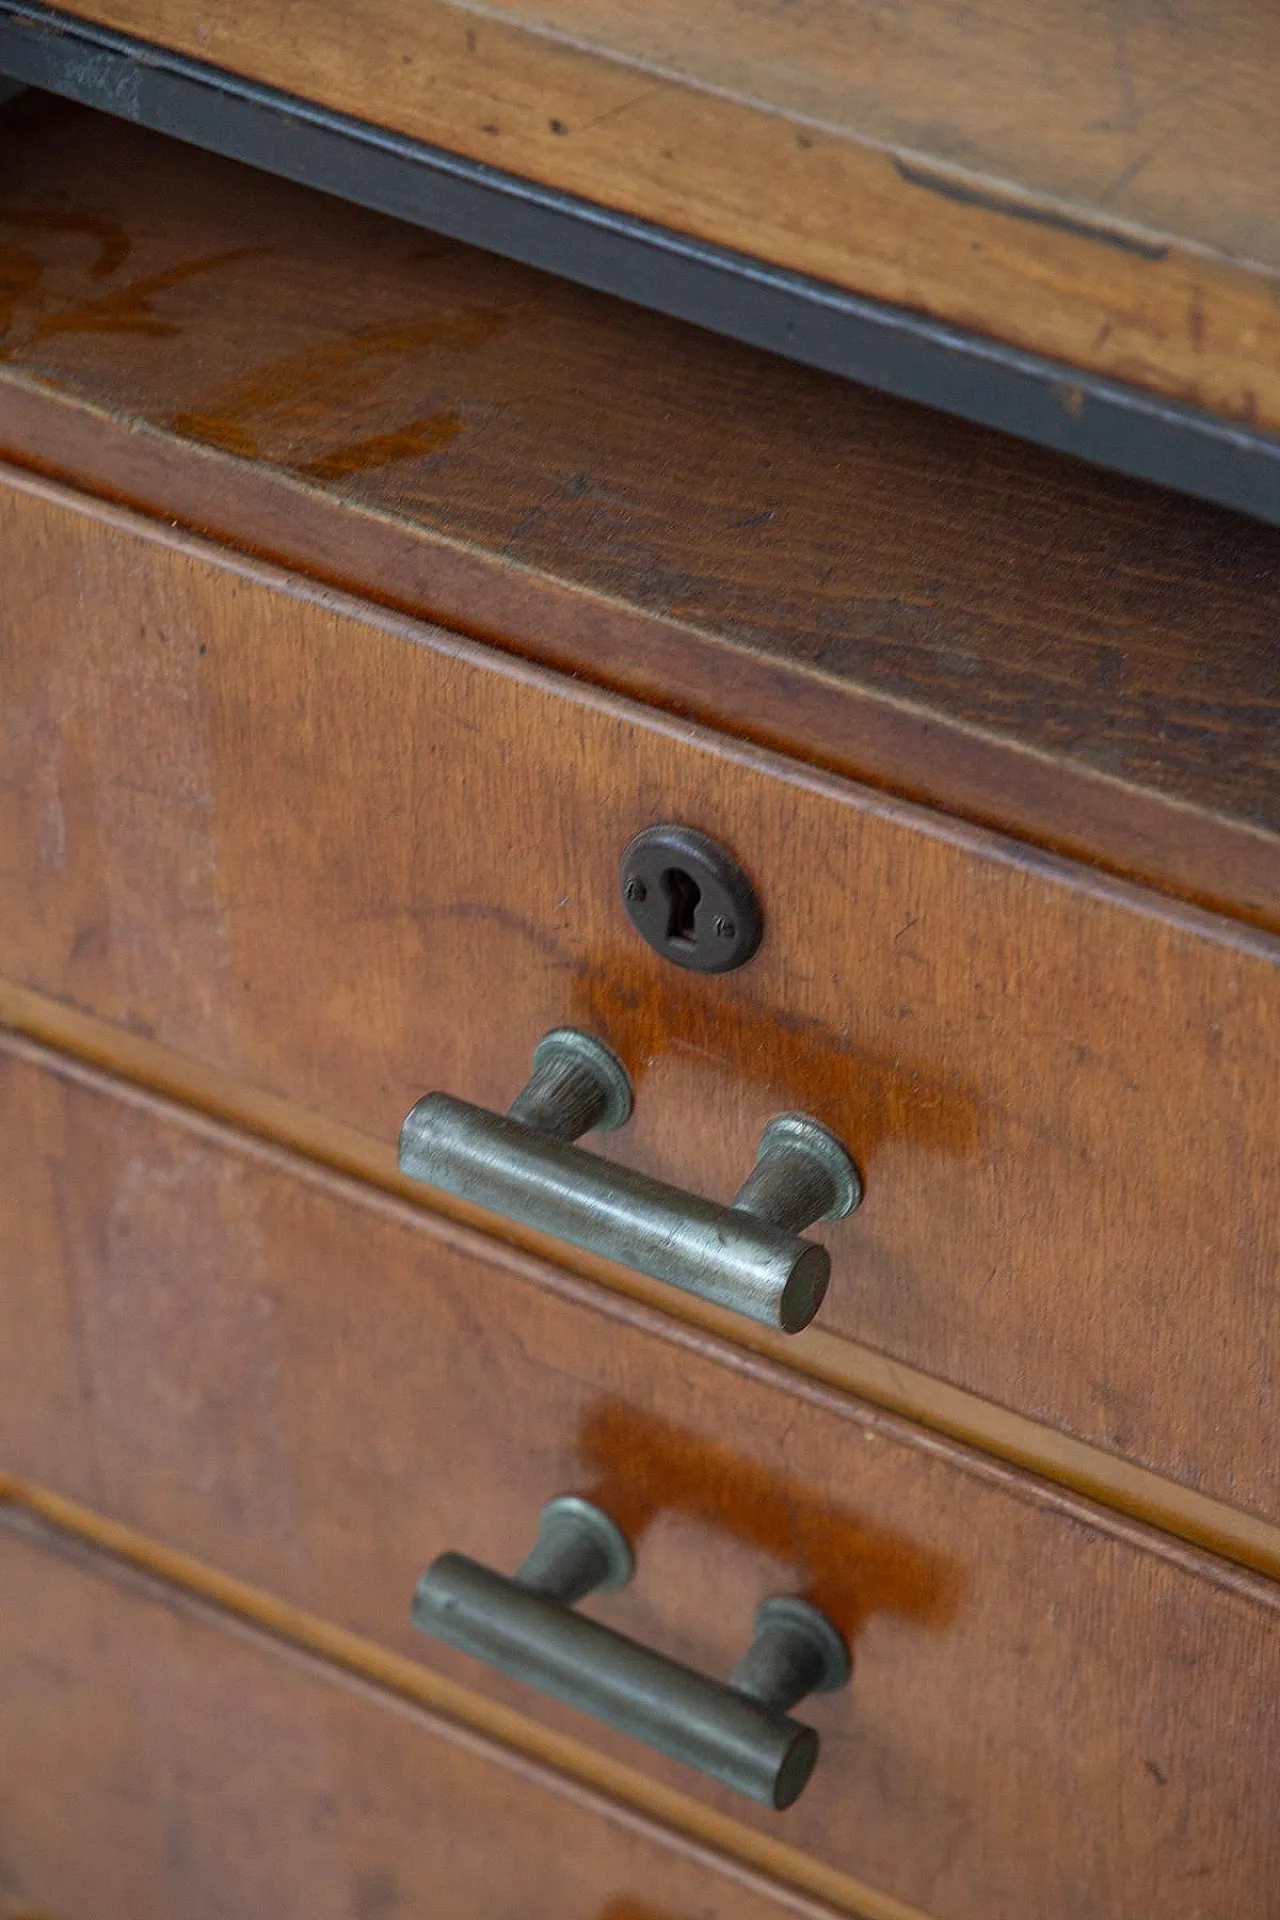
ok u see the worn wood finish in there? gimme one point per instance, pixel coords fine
(831, 1358)
(1054, 1711)
(350, 858)
(782, 1866)
(1096, 185)
(1082, 661)
(159, 1760)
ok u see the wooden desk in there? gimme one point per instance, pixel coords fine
(364, 595)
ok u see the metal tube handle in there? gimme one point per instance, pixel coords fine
(749, 1255)
(740, 1732)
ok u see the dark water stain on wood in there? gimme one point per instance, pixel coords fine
(868, 1098)
(431, 434)
(639, 1466)
(340, 369)
(129, 309)
(20, 275)
(114, 244)
(212, 431)
(281, 397)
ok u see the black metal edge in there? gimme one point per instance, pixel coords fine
(820, 325)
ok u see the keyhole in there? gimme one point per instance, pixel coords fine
(690, 899)
(683, 894)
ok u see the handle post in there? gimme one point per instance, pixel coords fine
(739, 1732)
(580, 1550)
(578, 1085)
(749, 1256)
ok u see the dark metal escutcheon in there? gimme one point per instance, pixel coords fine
(690, 899)
(739, 1732)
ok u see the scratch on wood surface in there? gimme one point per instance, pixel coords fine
(1040, 216)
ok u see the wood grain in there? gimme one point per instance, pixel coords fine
(317, 1390)
(1098, 185)
(212, 1771)
(798, 1877)
(831, 1358)
(349, 858)
(1085, 662)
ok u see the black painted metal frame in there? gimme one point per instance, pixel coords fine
(1046, 401)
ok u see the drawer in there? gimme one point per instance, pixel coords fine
(316, 1794)
(1085, 663)
(348, 858)
(1053, 1711)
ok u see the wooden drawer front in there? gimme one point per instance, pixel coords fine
(1053, 1712)
(352, 859)
(154, 1767)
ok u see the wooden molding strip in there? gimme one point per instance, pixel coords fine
(824, 1359)
(800, 1885)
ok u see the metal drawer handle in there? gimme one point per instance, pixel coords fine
(740, 1733)
(748, 1255)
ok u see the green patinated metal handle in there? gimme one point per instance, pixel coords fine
(739, 1732)
(748, 1255)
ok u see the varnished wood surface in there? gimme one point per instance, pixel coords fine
(833, 1359)
(159, 1760)
(1098, 185)
(796, 1875)
(318, 1390)
(1085, 662)
(349, 859)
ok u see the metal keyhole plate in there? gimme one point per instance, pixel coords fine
(690, 899)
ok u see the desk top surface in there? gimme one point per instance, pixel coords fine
(1099, 185)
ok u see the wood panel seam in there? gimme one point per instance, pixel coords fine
(984, 843)
(1236, 1551)
(558, 1764)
